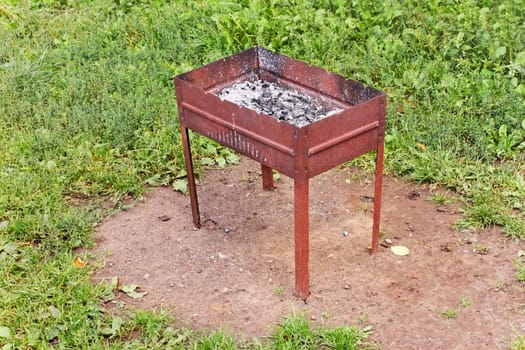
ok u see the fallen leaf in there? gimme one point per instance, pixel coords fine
(232, 158)
(79, 262)
(181, 185)
(54, 311)
(221, 162)
(129, 289)
(10, 248)
(52, 333)
(399, 250)
(107, 332)
(5, 332)
(421, 147)
(114, 282)
(136, 295)
(116, 325)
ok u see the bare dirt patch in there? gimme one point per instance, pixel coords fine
(237, 270)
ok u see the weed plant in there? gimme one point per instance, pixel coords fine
(518, 343)
(87, 114)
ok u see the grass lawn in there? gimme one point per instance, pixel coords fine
(88, 114)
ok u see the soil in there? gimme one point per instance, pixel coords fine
(237, 271)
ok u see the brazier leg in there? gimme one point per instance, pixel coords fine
(301, 225)
(267, 177)
(377, 198)
(191, 177)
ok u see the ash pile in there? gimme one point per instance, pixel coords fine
(279, 101)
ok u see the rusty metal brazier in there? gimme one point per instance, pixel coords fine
(298, 152)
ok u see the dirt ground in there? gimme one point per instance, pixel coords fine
(237, 271)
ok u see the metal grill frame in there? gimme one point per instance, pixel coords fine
(298, 152)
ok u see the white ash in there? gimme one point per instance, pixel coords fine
(278, 101)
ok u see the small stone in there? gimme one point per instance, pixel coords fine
(227, 230)
(471, 240)
(445, 248)
(146, 276)
(345, 233)
(313, 318)
(199, 270)
(388, 241)
(366, 199)
(164, 218)
(413, 195)
(347, 287)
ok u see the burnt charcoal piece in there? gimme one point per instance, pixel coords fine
(281, 102)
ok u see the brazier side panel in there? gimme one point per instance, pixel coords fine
(241, 140)
(223, 70)
(349, 149)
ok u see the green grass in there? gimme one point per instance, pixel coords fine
(442, 198)
(465, 302)
(518, 343)
(88, 114)
(297, 333)
(520, 270)
(450, 314)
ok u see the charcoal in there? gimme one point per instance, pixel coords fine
(279, 101)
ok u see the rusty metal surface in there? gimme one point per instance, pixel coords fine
(267, 177)
(298, 152)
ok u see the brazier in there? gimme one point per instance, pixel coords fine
(355, 127)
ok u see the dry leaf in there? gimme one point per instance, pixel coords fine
(5, 332)
(129, 289)
(79, 262)
(399, 250)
